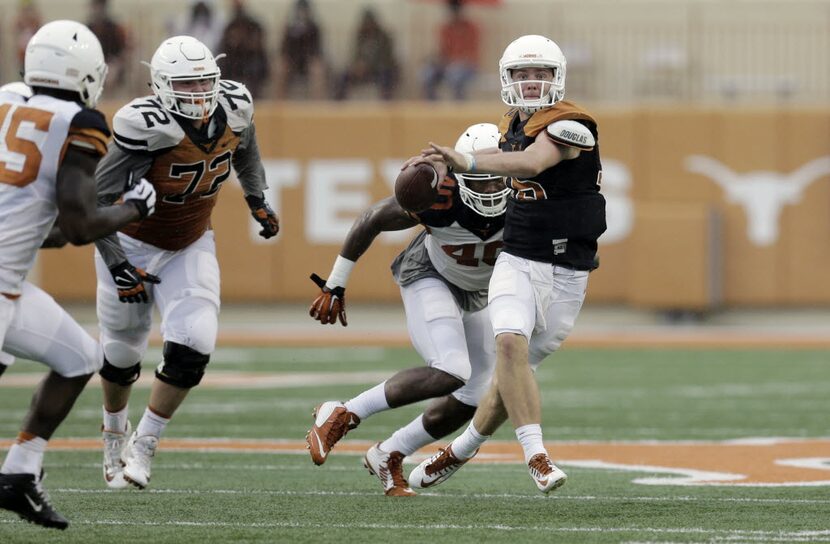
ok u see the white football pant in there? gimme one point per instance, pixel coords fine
(457, 342)
(35, 327)
(187, 299)
(538, 300)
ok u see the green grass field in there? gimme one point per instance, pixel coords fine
(641, 396)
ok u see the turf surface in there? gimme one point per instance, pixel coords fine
(588, 395)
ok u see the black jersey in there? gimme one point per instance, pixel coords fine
(557, 216)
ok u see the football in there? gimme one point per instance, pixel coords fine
(416, 187)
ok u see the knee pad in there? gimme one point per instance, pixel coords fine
(121, 376)
(182, 366)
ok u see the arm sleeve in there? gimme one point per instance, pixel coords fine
(248, 164)
(111, 176)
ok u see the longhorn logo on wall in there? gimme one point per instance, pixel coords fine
(762, 193)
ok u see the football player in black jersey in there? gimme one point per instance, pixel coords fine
(554, 217)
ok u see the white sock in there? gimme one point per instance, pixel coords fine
(530, 437)
(151, 424)
(369, 402)
(115, 421)
(25, 457)
(466, 445)
(409, 439)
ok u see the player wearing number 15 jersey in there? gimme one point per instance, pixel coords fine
(184, 139)
(443, 275)
(50, 144)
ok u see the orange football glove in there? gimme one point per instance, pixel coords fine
(330, 304)
(264, 215)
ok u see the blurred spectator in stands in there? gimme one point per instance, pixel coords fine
(204, 22)
(373, 60)
(301, 54)
(244, 43)
(27, 22)
(458, 54)
(113, 38)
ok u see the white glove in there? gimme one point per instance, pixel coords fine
(143, 195)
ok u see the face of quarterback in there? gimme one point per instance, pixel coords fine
(532, 83)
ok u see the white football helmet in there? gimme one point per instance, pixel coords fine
(492, 201)
(184, 58)
(17, 87)
(532, 51)
(66, 55)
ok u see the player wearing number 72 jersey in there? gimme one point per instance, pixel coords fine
(443, 275)
(184, 139)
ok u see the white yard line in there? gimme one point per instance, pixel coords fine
(782, 536)
(487, 496)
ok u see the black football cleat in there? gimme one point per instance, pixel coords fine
(24, 495)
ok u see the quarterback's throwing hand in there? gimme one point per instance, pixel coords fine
(130, 282)
(330, 304)
(264, 215)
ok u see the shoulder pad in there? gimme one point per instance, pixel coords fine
(572, 134)
(238, 104)
(91, 119)
(89, 132)
(144, 126)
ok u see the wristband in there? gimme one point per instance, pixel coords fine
(340, 272)
(471, 162)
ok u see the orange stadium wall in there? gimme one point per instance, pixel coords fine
(706, 207)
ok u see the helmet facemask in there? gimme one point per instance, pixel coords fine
(189, 104)
(485, 194)
(549, 91)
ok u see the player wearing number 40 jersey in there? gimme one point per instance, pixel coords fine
(443, 275)
(184, 139)
(51, 141)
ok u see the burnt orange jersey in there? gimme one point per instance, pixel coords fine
(188, 166)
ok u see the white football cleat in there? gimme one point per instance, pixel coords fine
(437, 468)
(388, 467)
(114, 442)
(138, 456)
(546, 475)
